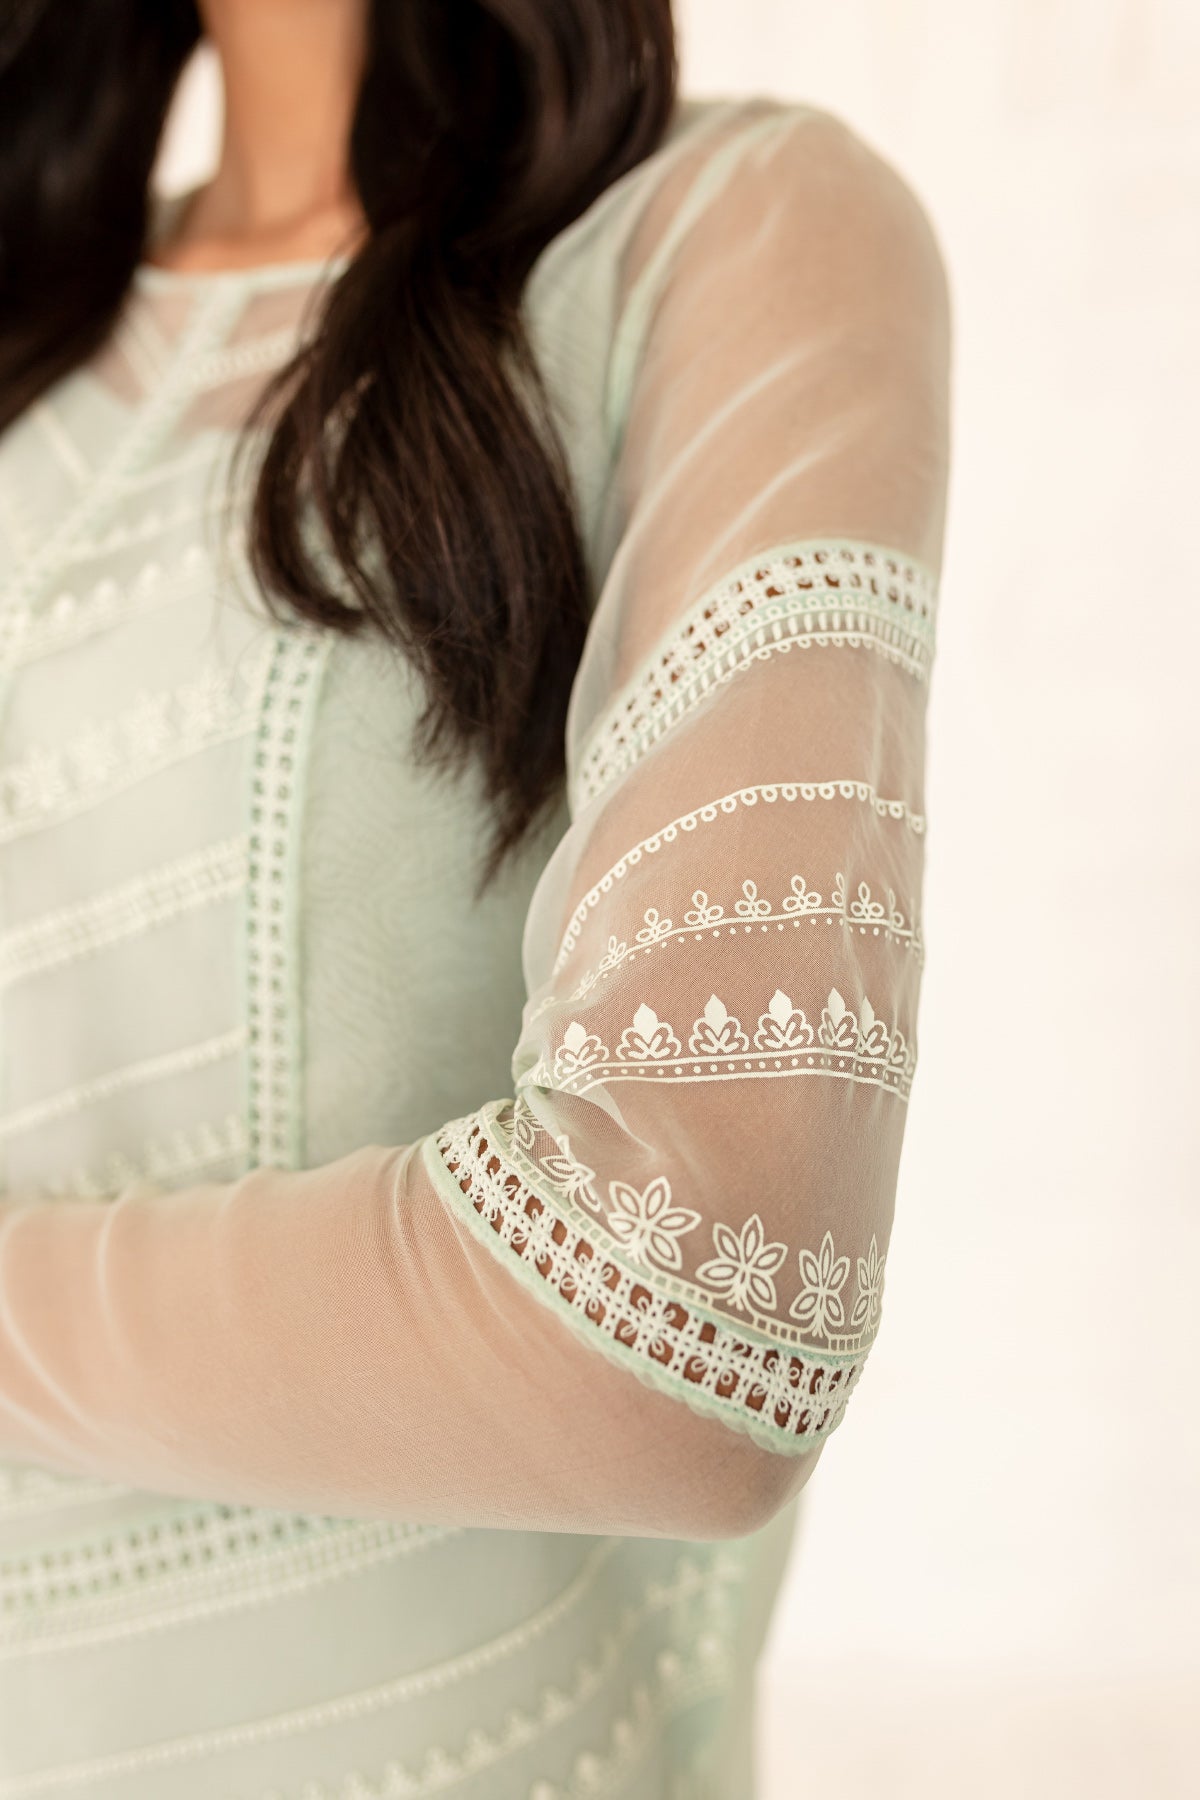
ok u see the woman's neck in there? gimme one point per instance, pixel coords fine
(282, 190)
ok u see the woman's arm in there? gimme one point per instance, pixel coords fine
(634, 1294)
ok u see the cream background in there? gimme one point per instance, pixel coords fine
(996, 1589)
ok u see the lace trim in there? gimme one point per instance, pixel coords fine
(116, 1081)
(215, 873)
(768, 792)
(845, 1045)
(53, 782)
(128, 1581)
(272, 921)
(707, 919)
(70, 618)
(648, 1228)
(777, 1395)
(833, 592)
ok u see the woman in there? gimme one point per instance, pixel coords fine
(469, 586)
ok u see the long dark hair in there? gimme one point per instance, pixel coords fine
(482, 129)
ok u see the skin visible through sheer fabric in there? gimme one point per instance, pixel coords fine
(633, 1294)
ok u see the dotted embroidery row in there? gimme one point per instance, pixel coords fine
(70, 617)
(768, 792)
(784, 1395)
(134, 907)
(56, 781)
(168, 1161)
(838, 593)
(214, 1558)
(273, 1022)
(708, 919)
(857, 1047)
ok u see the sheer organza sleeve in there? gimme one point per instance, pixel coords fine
(635, 1294)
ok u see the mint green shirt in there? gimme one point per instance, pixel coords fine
(238, 931)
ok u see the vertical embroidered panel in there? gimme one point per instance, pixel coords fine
(275, 1051)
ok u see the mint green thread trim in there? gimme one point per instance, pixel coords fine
(733, 1413)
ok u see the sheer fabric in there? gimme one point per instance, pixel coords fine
(634, 1293)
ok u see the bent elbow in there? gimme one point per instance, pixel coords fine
(724, 1484)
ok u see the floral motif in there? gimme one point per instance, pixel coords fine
(646, 1225)
(754, 906)
(839, 1027)
(655, 927)
(802, 898)
(571, 1175)
(524, 1126)
(818, 1305)
(872, 1032)
(744, 1265)
(870, 1287)
(717, 1033)
(578, 1050)
(783, 1026)
(701, 912)
(649, 1038)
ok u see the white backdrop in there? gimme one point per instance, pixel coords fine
(996, 1589)
(997, 1586)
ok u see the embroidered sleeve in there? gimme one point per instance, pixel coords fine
(635, 1293)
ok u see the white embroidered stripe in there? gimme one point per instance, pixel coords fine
(201, 1146)
(130, 1581)
(359, 1704)
(767, 791)
(852, 1046)
(54, 782)
(152, 524)
(771, 1392)
(710, 919)
(215, 873)
(836, 592)
(70, 618)
(253, 357)
(116, 1081)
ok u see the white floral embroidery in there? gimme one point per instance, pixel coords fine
(574, 1177)
(870, 1287)
(524, 1126)
(802, 898)
(717, 1033)
(702, 913)
(655, 927)
(818, 1305)
(764, 793)
(578, 1050)
(783, 1026)
(754, 905)
(741, 1271)
(646, 1225)
(648, 1038)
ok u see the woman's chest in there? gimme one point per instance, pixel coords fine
(237, 923)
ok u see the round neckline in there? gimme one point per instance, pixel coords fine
(165, 210)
